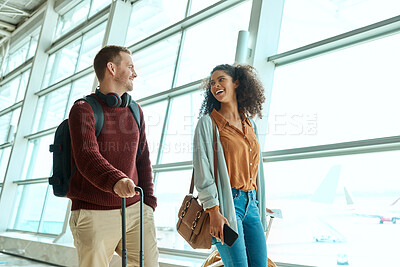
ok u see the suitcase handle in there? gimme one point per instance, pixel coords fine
(123, 215)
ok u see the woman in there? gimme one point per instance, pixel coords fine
(233, 94)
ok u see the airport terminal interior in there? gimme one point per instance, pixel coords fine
(329, 132)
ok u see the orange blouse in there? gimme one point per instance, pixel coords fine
(241, 151)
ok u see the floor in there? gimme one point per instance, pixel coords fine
(9, 260)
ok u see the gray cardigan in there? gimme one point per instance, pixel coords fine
(203, 162)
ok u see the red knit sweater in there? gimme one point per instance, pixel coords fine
(103, 162)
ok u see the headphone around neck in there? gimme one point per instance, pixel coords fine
(113, 100)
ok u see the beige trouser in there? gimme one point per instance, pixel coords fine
(97, 234)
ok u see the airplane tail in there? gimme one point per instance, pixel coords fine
(326, 192)
(394, 203)
(349, 198)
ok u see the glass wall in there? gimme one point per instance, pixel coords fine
(322, 19)
(332, 143)
(68, 76)
(20, 53)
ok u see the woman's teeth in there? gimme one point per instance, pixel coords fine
(219, 91)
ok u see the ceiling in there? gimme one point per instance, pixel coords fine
(15, 12)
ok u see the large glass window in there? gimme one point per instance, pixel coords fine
(198, 5)
(53, 214)
(154, 116)
(155, 67)
(91, 44)
(179, 134)
(330, 204)
(98, 5)
(4, 157)
(150, 16)
(78, 14)
(30, 201)
(62, 63)
(8, 125)
(19, 56)
(169, 201)
(38, 159)
(51, 107)
(14, 90)
(306, 21)
(33, 215)
(24, 50)
(72, 18)
(207, 45)
(73, 57)
(342, 96)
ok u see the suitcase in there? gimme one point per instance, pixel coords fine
(123, 207)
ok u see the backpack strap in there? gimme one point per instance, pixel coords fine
(97, 111)
(133, 106)
(99, 115)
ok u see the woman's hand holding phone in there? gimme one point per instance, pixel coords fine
(217, 222)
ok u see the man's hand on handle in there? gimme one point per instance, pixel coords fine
(125, 188)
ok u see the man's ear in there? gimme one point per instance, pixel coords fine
(111, 68)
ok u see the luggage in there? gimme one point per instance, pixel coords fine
(123, 208)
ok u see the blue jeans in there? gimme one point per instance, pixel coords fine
(250, 249)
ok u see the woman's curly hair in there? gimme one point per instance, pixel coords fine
(249, 93)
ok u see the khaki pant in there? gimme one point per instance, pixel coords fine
(97, 234)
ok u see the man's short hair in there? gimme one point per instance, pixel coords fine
(109, 53)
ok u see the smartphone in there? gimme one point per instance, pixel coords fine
(230, 235)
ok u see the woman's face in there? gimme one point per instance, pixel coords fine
(223, 87)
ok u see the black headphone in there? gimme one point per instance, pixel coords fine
(113, 100)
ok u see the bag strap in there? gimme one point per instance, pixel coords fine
(215, 159)
(133, 106)
(97, 112)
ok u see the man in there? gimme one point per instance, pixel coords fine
(109, 167)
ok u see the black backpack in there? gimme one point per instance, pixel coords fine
(61, 148)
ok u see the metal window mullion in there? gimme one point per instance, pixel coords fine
(371, 32)
(17, 71)
(79, 54)
(72, 82)
(65, 81)
(41, 133)
(11, 108)
(184, 253)
(6, 145)
(29, 47)
(181, 90)
(19, 87)
(4, 50)
(188, 22)
(31, 181)
(188, 8)
(163, 132)
(176, 166)
(54, 69)
(21, 200)
(33, 158)
(42, 235)
(83, 28)
(65, 224)
(46, 105)
(45, 202)
(339, 149)
(6, 57)
(90, 9)
(178, 58)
